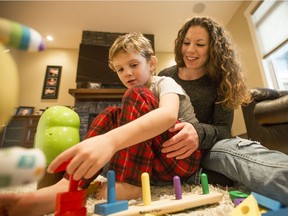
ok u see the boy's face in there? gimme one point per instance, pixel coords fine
(133, 69)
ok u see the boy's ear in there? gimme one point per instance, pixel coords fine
(153, 63)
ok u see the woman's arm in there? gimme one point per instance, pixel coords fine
(92, 154)
(215, 121)
(219, 128)
(199, 135)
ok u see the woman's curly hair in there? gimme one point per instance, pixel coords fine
(223, 66)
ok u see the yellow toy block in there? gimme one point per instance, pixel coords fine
(262, 210)
(248, 207)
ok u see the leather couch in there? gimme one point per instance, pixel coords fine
(266, 118)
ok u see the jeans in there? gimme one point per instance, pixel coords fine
(260, 170)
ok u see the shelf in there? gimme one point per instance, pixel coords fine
(20, 131)
(97, 94)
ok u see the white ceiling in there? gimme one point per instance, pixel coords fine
(66, 20)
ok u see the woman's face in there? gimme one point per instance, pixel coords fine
(195, 48)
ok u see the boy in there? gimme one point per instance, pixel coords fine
(150, 106)
(130, 137)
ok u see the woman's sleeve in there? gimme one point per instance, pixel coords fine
(219, 129)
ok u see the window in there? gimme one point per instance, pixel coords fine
(269, 20)
(276, 65)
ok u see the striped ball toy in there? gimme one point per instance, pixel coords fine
(16, 35)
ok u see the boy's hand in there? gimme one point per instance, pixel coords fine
(88, 157)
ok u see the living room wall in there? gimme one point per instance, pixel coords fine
(32, 68)
(239, 29)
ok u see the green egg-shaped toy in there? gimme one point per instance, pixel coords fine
(57, 130)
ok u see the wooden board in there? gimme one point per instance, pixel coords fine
(171, 205)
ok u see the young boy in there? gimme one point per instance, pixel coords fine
(133, 134)
(129, 138)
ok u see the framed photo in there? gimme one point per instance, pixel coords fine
(24, 111)
(51, 82)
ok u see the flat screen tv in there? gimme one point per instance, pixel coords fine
(93, 67)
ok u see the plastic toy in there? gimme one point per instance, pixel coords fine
(237, 194)
(165, 206)
(17, 165)
(9, 82)
(146, 193)
(204, 183)
(20, 166)
(280, 212)
(21, 37)
(267, 202)
(71, 203)
(111, 206)
(177, 187)
(248, 207)
(57, 130)
(237, 201)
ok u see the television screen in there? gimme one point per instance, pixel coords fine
(93, 67)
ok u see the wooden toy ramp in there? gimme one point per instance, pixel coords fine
(164, 206)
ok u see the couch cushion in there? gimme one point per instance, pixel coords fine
(260, 94)
(272, 111)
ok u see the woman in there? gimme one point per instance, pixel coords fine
(209, 72)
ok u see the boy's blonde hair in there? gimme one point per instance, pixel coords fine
(131, 42)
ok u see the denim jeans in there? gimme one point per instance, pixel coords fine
(260, 170)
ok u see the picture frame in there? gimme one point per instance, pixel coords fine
(24, 111)
(51, 82)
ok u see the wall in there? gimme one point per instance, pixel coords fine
(239, 30)
(32, 68)
(164, 60)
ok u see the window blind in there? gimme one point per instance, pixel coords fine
(271, 22)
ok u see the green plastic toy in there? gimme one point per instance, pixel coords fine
(237, 194)
(204, 183)
(57, 130)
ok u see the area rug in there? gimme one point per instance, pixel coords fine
(223, 208)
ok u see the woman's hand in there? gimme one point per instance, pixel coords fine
(184, 143)
(88, 157)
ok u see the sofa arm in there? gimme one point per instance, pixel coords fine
(272, 111)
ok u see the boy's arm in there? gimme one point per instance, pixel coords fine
(149, 125)
(92, 154)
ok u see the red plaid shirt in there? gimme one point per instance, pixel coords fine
(131, 162)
